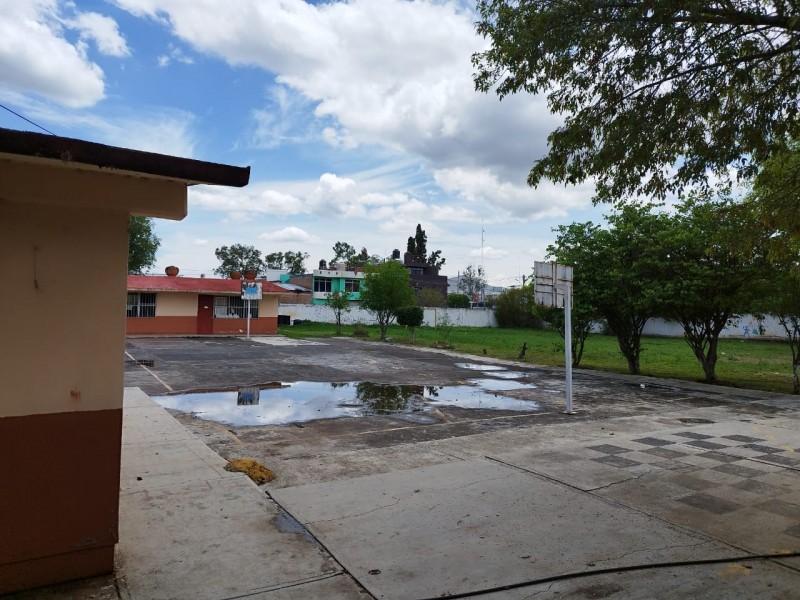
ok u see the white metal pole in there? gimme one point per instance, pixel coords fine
(248, 318)
(568, 344)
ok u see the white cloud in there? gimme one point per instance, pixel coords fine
(239, 202)
(410, 92)
(103, 31)
(290, 234)
(200, 242)
(483, 186)
(174, 54)
(488, 252)
(36, 58)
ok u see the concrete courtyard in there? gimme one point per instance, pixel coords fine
(653, 489)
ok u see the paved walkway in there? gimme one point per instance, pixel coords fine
(707, 510)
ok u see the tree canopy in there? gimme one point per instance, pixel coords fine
(339, 303)
(142, 244)
(343, 252)
(417, 246)
(708, 281)
(238, 257)
(294, 262)
(472, 282)
(616, 272)
(386, 289)
(655, 94)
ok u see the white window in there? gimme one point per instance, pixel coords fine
(141, 304)
(233, 307)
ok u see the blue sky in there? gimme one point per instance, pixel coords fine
(359, 120)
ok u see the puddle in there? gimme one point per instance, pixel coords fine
(480, 367)
(500, 385)
(509, 374)
(286, 523)
(304, 401)
(479, 397)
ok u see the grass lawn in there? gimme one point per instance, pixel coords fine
(752, 363)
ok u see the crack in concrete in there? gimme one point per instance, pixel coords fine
(628, 480)
(648, 551)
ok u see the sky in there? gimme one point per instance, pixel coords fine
(359, 120)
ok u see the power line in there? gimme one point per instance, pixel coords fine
(26, 119)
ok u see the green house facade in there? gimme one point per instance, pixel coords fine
(326, 281)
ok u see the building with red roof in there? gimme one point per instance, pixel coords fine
(171, 305)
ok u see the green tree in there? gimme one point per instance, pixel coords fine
(295, 262)
(142, 244)
(780, 296)
(514, 307)
(274, 260)
(238, 257)
(410, 317)
(457, 301)
(775, 197)
(430, 297)
(472, 282)
(707, 281)
(343, 252)
(776, 194)
(386, 289)
(417, 246)
(713, 84)
(616, 271)
(339, 302)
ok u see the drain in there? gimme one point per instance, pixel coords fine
(141, 362)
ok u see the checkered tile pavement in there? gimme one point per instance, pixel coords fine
(720, 476)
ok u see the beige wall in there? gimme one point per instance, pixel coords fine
(268, 306)
(178, 304)
(62, 315)
(63, 258)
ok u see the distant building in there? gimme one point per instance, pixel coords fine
(336, 279)
(159, 305)
(422, 275)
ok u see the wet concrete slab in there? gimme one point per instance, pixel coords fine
(190, 529)
(478, 524)
(653, 470)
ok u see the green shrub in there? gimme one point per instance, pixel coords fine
(360, 331)
(458, 301)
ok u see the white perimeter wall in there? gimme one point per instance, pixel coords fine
(746, 326)
(466, 317)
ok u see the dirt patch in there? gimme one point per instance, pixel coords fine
(252, 468)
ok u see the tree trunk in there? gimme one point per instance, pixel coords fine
(703, 338)
(796, 373)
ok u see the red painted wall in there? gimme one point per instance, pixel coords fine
(61, 521)
(188, 326)
(260, 326)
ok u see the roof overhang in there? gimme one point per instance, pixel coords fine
(53, 170)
